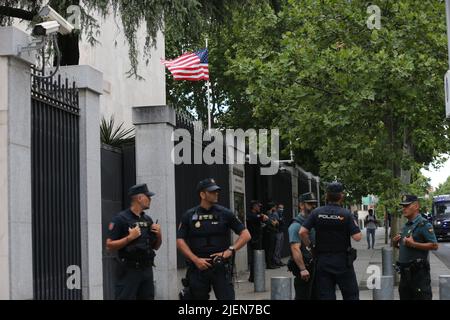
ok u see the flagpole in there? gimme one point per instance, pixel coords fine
(208, 95)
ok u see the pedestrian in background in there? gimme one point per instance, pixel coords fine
(270, 230)
(371, 224)
(279, 236)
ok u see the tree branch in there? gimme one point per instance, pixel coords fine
(17, 13)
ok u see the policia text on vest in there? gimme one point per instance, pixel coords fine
(334, 227)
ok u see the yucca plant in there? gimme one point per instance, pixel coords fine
(113, 135)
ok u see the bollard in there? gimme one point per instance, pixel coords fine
(386, 291)
(386, 258)
(444, 287)
(281, 288)
(259, 270)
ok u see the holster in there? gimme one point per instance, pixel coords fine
(351, 256)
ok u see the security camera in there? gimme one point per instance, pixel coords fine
(46, 28)
(47, 13)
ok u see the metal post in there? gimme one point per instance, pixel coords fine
(281, 288)
(259, 270)
(318, 191)
(208, 96)
(386, 256)
(444, 287)
(386, 291)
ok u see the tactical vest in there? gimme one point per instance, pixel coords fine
(332, 232)
(208, 233)
(142, 247)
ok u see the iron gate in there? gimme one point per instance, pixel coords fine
(55, 186)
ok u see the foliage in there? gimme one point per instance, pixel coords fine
(113, 135)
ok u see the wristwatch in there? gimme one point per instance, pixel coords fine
(232, 249)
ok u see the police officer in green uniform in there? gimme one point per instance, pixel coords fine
(415, 241)
(134, 235)
(301, 263)
(203, 237)
(334, 227)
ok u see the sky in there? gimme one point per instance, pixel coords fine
(439, 175)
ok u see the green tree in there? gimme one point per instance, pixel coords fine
(183, 16)
(368, 102)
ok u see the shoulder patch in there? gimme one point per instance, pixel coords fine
(111, 226)
(430, 230)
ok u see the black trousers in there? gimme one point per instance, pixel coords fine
(269, 241)
(415, 285)
(332, 270)
(201, 281)
(305, 290)
(135, 283)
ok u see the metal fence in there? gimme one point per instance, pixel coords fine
(55, 186)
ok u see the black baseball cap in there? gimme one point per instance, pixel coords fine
(335, 187)
(207, 185)
(140, 188)
(408, 199)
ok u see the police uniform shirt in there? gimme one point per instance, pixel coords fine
(421, 231)
(334, 225)
(207, 231)
(294, 228)
(141, 247)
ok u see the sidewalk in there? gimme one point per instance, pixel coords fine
(245, 289)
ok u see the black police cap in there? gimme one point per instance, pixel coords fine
(138, 189)
(335, 187)
(408, 199)
(307, 197)
(207, 185)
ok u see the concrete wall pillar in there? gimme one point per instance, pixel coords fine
(16, 255)
(90, 83)
(154, 128)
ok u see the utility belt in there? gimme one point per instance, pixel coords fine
(137, 263)
(412, 266)
(216, 263)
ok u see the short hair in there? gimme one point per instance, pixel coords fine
(370, 210)
(333, 197)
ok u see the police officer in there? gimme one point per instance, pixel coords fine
(135, 236)
(415, 241)
(204, 239)
(334, 227)
(254, 224)
(301, 263)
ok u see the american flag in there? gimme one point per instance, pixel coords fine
(189, 66)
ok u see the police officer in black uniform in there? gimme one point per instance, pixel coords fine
(204, 239)
(334, 226)
(135, 236)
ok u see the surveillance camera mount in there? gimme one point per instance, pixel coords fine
(38, 44)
